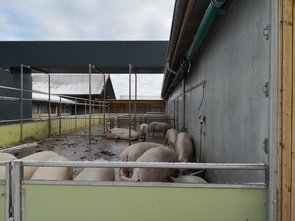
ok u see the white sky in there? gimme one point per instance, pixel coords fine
(91, 20)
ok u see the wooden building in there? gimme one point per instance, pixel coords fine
(138, 106)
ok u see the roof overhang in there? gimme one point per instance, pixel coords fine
(75, 56)
(187, 17)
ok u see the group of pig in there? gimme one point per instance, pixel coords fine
(40, 173)
(144, 131)
(178, 148)
(57, 173)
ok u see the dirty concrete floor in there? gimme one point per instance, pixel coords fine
(77, 148)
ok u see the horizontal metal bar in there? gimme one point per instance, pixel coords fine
(3, 163)
(117, 164)
(42, 92)
(95, 116)
(10, 88)
(14, 98)
(144, 184)
(6, 98)
(17, 120)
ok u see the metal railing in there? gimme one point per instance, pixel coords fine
(8, 188)
(14, 195)
(91, 108)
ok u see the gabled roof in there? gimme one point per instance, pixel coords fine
(53, 98)
(69, 84)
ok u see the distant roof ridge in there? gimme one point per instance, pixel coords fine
(72, 84)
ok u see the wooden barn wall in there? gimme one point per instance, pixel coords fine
(119, 106)
(286, 145)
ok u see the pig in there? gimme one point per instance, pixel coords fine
(53, 173)
(171, 137)
(143, 131)
(132, 153)
(188, 179)
(121, 133)
(39, 156)
(156, 154)
(158, 127)
(184, 147)
(5, 157)
(97, 174)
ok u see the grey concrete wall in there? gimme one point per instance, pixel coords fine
(10, 110)
(235, 63)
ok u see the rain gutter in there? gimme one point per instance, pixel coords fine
(205, 25)
(179, 8)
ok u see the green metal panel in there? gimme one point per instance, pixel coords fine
(109, 203)
(2, 202)
(10, 134)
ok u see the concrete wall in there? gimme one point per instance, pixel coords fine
(235, 63)
(11, 109)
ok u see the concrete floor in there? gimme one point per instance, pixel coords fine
(77, 148)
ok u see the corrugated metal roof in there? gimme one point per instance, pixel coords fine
(53, 98)
(74, 84)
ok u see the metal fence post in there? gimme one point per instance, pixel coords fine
(49, 106)
(60, 112)
(17, 190)
(104, 103)
(130, 70)
(135, 104)
(75, 115)
(8, 198)
(90, 103)
(21, 100)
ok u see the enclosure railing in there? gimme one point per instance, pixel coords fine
(5, 191)
(91, 108)
(19, 185)
(83, 113)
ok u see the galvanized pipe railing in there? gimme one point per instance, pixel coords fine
(118, 164)
(7, 182)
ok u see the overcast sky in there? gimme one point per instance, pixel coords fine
(90, 20)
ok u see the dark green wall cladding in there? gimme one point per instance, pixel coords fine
(11, 109)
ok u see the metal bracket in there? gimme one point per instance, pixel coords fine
(266, 32)
(266, 145)
(266, 89)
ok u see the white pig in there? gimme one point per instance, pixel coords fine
(158, 127)
(157, 154)
(188, 179)
(5, 157)
(171, 137)
(184, 147)
(39, 156)
(143, 131)
(53, 173)
(97, 174)
(133, 152)
(121, 133)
